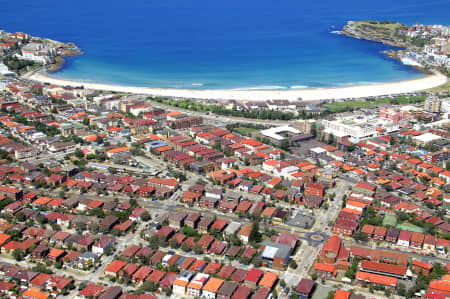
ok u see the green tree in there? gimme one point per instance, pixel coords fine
(41, 268)
(401, 289)
(185, 247)
(173, 243)
(21, 217)
(145, 216)
(360, 236)
(255, 235)
(154, 242)
(189, 231)
(197, 249)
(18, 254)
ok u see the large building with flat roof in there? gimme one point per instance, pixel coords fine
(358, 127)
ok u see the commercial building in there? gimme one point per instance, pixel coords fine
(433, 105)
(358, 126)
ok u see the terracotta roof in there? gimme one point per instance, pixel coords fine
(381, 267)
(268, 280)
(324, 267)
(376, 278)
(213, 285)
(115, 266)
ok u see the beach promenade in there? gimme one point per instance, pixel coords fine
(358, 91)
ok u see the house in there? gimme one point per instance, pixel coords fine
(397, 271)
(378, 279)
(227, 289)
(379, 233)
(232, 228)
(141, 274)
(102, 245)
(244, 233)
(55, 255)
(113, 292)
(192, 220)
(276, 254)
(416, 241)
(429, 243)
(392, 235)
(194, 288)
(404, 238)
(156, 276)
(210, 289)
(333, 250)
(180, 284)
(268, 280)
(242, 292)
(262, 293)
(313, 201)
(214, 193)
(91, 291)
(167, 282)
(421, 267)
(177, 219)
(113, 269)
(108, 222)
(316, 189)
(205, 242)
(204, 224)
(325, 271)
(253, 277)
(305, 288)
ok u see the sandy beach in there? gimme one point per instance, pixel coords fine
(358, 91)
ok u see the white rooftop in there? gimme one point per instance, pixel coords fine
(269, 252)
(427, 137)
(274, 132)
(318, 150)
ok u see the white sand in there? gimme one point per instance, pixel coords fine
(358, 91)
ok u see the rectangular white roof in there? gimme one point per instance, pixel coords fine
(427, 137)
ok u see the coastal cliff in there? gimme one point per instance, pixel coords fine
(385, 32)
(64, 50)
(22, 53)
(415, 43)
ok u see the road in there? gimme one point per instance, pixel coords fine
(214, 118)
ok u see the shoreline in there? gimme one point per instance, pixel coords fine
(310, 94)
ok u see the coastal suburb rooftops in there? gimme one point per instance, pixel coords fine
(118, 150)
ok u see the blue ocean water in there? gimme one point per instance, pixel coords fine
(220, 44)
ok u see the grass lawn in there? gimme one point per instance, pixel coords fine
(389, 220)
(410, 227)
(349, 105)
(246, 131)
(321, 292)
(442, 88)
(390, 26)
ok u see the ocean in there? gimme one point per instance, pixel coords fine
(232, 44)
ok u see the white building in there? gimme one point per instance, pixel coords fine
(36, 52)
(426, 138)
(4, 70)
(359, 126)
(285, 171)
(275, 133)
(179, 285)
(194, 288)
(27, 152)
(269, 165)
(166, 259)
